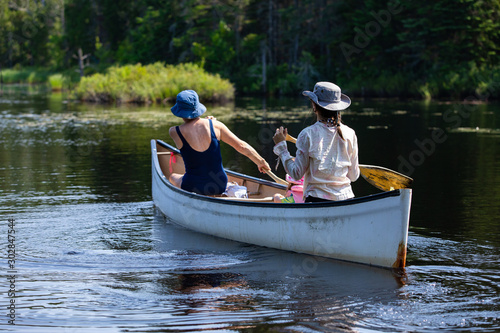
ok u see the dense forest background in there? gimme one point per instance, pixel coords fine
(443, 48)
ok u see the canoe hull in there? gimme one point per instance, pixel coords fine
(371, 230)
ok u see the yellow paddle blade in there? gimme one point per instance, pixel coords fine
(384, 179)
(290, 138)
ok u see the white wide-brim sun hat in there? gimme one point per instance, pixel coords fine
(328, 96)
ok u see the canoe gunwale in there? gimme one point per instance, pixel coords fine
(195, 196)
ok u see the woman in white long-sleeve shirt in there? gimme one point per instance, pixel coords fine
(327, 151)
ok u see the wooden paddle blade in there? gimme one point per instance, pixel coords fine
(384, 179)
(276, 178)
(290, 138)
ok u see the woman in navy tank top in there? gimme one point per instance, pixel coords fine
(198, 140)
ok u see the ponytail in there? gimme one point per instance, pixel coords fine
(331, 118)
(337, 118)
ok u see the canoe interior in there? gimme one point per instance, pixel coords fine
(256, 188)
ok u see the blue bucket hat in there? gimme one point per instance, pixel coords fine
(188, 105)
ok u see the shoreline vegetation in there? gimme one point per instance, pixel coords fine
(434, 50)
(152, 83)
(142, 84)
(158, 82)
(57, 81)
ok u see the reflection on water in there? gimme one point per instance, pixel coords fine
(93, 253)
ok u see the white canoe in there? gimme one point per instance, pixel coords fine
(370, 230)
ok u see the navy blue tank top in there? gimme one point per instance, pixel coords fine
(204, 171)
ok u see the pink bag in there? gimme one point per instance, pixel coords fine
(293, 181)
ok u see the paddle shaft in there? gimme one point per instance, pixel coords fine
(290, 138)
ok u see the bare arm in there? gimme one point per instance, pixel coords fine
(242, 147)
(175, 137)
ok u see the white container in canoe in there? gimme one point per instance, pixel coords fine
(370, 230)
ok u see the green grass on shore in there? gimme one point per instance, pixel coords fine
(152, 83)
(28, 75)
(40, 76)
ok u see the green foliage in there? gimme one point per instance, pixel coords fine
(32, 75)
(218, 55)
(150, 35)
(25, 29)
(152, 83)
(26, 75)
(56, 82)
(443, 48)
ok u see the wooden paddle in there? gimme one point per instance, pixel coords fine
(276, 178)
(382, 178)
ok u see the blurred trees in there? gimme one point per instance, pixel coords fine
(27, 29)
(376, 47)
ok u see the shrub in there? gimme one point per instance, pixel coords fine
(152, 83)
(56, 82)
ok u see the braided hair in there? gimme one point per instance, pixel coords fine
(330, 118)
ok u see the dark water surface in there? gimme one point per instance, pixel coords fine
(93, 254)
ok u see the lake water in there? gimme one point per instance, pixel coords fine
(93, 254)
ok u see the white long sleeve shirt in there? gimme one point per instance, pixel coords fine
(328, 162)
